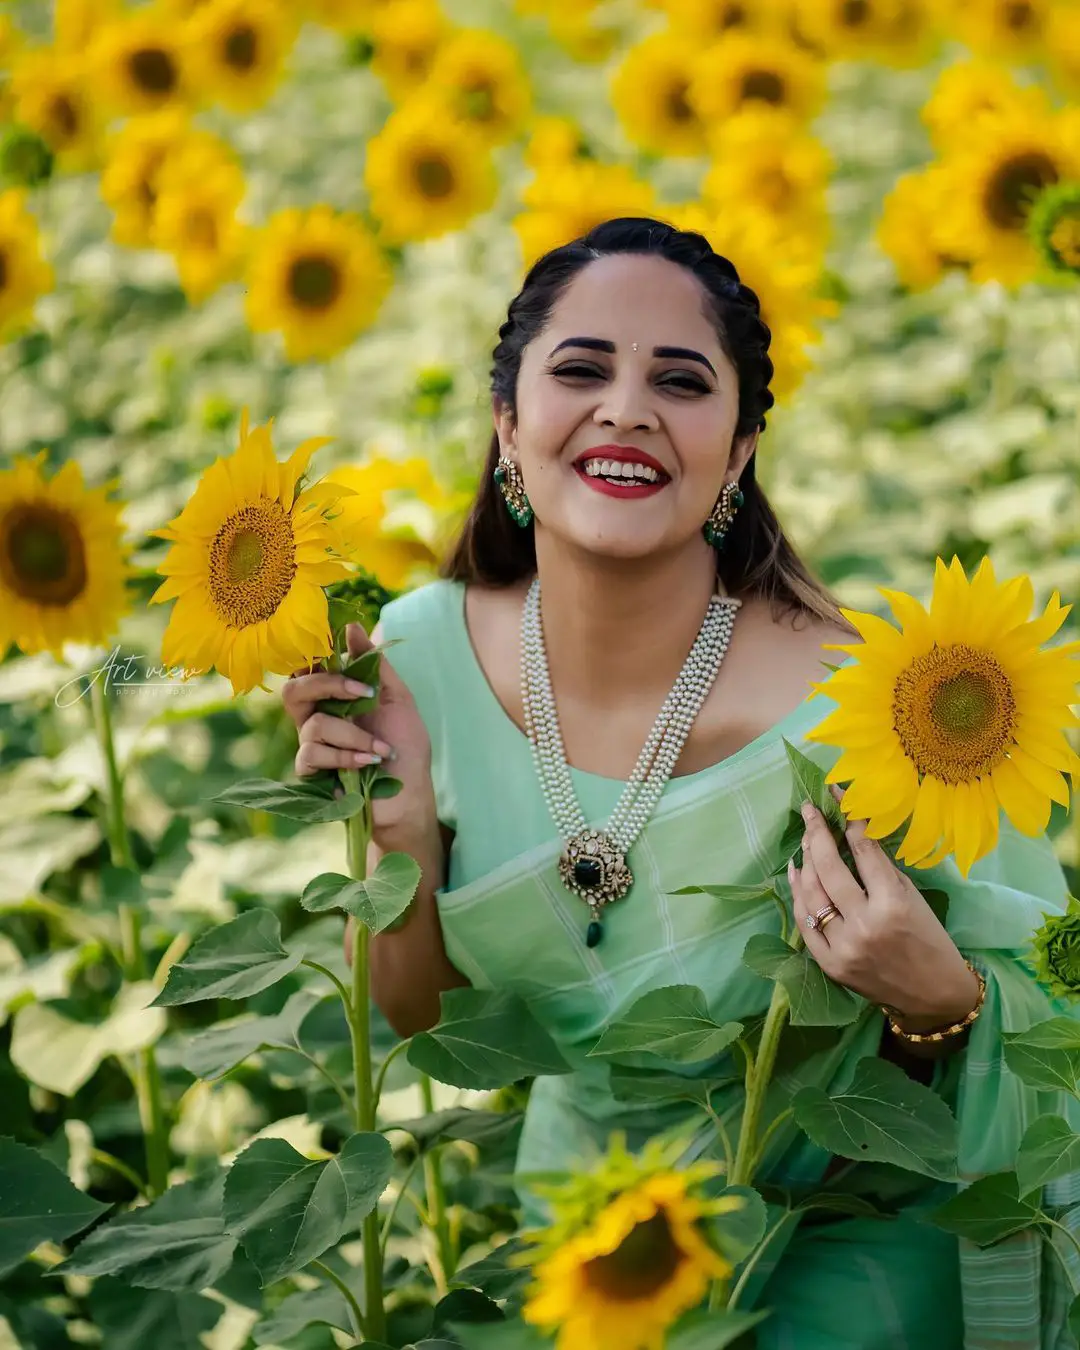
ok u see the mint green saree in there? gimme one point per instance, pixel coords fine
(508, 923)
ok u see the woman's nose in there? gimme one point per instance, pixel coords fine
(625, 405)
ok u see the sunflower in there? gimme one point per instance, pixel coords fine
(1014, 30)
(316, 276)
(581, 37)
(426, 173)
(63, 563)
(910, 227)
(567, 200)
(995, 177)
(968, 91)
(249, 558)
(142, 63)
(554, 140)
(1063, 47)
(743, 69)
(406, 35)
(136, 157)
(195, 220)
(707, 20)
(77, 22)
(766, 156)
(52, 97)
(899, 32)
(958, 713)
(650, 94)
(481, 77)
(407, 515)
(627, 1254)
(240, 47)
(24, 273)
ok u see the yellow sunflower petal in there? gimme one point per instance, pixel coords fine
(1026, 807)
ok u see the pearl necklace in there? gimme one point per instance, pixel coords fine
(593, 864)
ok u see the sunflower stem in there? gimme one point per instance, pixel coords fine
(358, 836)
(436, 1201)
(748, 1147)
(133, 960)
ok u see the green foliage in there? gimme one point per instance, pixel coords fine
(236, 960)
(815, 1000)
(672, 1023)
(990, 1209)
(39, 1204)
(485, 1039)
(378, 902)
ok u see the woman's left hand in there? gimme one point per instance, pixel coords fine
(885, 943)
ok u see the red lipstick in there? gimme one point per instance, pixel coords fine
(626, 488)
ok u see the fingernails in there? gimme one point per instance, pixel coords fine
(382, 749)
(807, 811)
(791, 870)
(362, 757)
(359, 690)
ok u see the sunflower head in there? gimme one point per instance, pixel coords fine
(742, 69)
(954, 717)
(142, 63)
(627, 1252)
(651, 95)
(240, 47)
(1057, 951)
(1054, 225)
(24, 273)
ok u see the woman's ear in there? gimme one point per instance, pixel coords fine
(505, 426)
(742, 447)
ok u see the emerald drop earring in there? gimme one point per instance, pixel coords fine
(512, 486)
(722, 516)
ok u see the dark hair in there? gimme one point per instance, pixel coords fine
(757, 557)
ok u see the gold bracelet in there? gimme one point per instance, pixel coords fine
(917, 1038)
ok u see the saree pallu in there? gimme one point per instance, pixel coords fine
(508, 923)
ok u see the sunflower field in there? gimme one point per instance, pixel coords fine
(254, 255)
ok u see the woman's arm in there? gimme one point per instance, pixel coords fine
(409, 965)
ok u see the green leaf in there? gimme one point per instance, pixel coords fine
(385, 785)
(313, 803)
(883, 1117)
(1049, 1149)
(35, 981)
(486, 1038)
(212, 1053)
(739, 1231)
(810, 786)
(499, 1336)
(132, 1319)
(377, 902)
(465, 1306)
(1074, 1317)
(234, 960)
(672, 1022)
(1047, 1055)
(56, 1052)
(496, 1274)
(736, 895)
(364, 668)
(854, 1206)
(287, 1210)
(37, 1204)
(816, 1001)
(458, 1122)
(711, 1330)
(325, 1305)
(636, 1085)
(990, 1209)
(179, 1242)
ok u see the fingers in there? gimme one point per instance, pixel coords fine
(873, 864)
(392, 687)
(819, 847)
(337, 743)
(301, 693)
(809, 898)
(357, 639)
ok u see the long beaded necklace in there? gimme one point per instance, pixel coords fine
(593, 864)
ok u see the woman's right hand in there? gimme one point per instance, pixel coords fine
(395, 731)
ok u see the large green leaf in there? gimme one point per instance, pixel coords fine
(499, 1336)
(37, 1204)
(212, 1053)
(287, 1210)
(988, 1210)
(740, 1230)
(499, 1274)
(1049, 1149)
(312, 803)
(711, 1330)
(736, 895)
(629, 1085)
(179, 1242)
(1047, 1055)
(673, 1023)
(133, 1319)
(883, 1117)
(234, 960)
(377, 902)
(486, 1038)
(325, 1305)
(367, 669)
(458, 1122)
(810, 785)
(59, 1053)
(816, 1001)
(37, 981)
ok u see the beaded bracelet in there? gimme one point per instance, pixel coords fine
(917, 1038)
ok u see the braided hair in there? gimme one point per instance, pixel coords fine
(757, 557)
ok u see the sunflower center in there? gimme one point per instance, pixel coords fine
(434, 177)
(241, 49)
(642, 1263)
(252, 564)
(63, 118)
(1065, 240)
(954, 711)
(855, 13)
(679, 108)
(1015, 184)
(154, 70)
(42, 557)
(732, 15)
(1018, 16)
(765, 85)
(774, 188)
(200, 229)
(314, 281)
(478, 101)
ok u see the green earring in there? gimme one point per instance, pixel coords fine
(722, 516)
(512, 486)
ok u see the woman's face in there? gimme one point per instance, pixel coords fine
(628, 372)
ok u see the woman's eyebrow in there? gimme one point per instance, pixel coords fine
(603, 345)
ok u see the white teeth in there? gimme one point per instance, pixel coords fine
(620, 469)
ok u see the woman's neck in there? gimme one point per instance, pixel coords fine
(614, 627)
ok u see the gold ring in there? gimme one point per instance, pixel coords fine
(826, 916)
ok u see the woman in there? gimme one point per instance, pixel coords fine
(618, 528)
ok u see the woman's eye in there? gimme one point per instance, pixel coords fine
(587, 372)
(688, 382)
